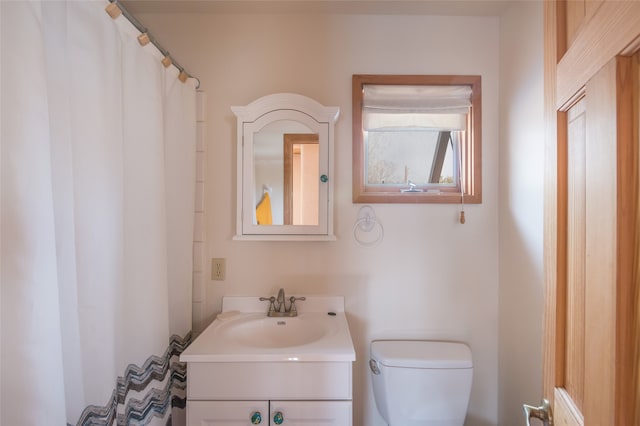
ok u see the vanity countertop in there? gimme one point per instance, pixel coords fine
(243, 332)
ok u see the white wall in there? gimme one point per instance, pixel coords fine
(431, 277)
(521, 209)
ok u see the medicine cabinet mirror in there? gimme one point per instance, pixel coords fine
(285, 179)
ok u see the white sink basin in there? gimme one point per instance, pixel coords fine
(240, 334)
(260, 331)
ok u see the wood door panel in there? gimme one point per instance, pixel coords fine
(613, 29)
(590, 8)
(575, 13)
(564, 413)
(576, 253)
(601, 244)
(627, 98)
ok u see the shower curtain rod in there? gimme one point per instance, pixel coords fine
(111, 10)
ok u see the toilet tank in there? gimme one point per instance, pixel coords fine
(421, 383)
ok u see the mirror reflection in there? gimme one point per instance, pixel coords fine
(286, 174)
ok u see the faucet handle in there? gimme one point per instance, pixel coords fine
(292, 299)
(271, 300)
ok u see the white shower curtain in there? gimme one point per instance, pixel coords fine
(98, 176)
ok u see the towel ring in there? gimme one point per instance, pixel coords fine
(367, 222)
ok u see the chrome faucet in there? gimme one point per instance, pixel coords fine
(278, 306)
(281, 306)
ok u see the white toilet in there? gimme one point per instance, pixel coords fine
(421, 383)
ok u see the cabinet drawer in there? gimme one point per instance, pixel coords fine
(269, 380)
(226, 413)
(312, 413)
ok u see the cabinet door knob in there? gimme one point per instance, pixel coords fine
(256, 418)
(278, 418)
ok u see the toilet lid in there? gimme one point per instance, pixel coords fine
(421, 354)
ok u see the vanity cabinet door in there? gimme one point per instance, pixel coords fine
(227, 413)
(310, 413)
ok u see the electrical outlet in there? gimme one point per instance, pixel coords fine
(217, 269)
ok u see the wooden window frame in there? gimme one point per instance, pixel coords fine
(471, 147)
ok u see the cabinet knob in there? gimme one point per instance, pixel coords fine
(278, 418)
(324, 178)
(256, 418)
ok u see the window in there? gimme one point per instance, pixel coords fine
(416, 139)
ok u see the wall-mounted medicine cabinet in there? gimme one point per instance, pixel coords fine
(285, 169)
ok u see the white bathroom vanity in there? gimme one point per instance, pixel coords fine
(250, 368)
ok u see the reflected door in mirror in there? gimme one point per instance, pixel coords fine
(286, 169)
(301, 178)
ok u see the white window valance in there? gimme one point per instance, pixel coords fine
(406, 107)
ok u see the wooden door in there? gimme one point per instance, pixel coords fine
(301, 178)
(591, 215)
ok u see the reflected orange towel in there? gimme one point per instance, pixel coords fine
(263, 211)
